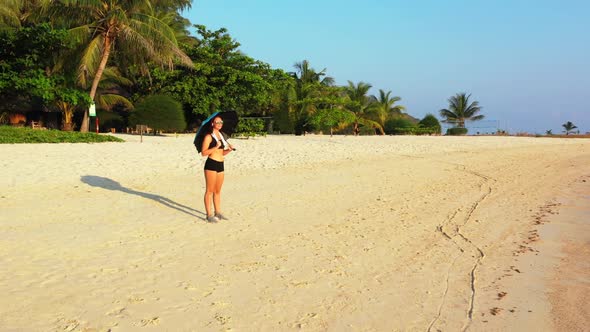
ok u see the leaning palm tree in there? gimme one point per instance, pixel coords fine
(568, 126)
(384, 108)
(68, 99)
(460, 110)
(129, 26)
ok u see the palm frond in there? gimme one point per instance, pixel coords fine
(370, 123)
(112, 74)
(108, 101)
(90, 60)
(448, 115)
(80, 34)
(9, 13)
(157, 38)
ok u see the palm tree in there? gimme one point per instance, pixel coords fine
(361, 105)
(384, 108)
(460, 110)
(310, 87)
(31, 14)
(68, 98)
(306, 74)
(131, 27)
(549, 132)
(568, 126)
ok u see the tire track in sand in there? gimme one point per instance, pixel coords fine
(451, 230)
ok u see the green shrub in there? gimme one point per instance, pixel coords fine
(10, 135)
(398, 126)
(250, 127)
(428, 131)
(367, 130)
(404, 131)
(417, 131)
(430, 121)
(457, 131)
(159, 112)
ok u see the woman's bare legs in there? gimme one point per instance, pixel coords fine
(210, 187)
(217, 192)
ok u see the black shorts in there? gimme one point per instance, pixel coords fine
(214, 165)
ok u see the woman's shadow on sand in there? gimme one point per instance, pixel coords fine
(106, 183)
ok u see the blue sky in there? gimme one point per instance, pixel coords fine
(525, 61)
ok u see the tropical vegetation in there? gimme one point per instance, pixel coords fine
(569, 127)
(457, 131)
(460, 111)
(385, 107)
(60, 57)
(361, 105)
(159, 112)
(12, 135)
(249, 127)
(430, 121)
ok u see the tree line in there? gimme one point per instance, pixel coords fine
(65, 55)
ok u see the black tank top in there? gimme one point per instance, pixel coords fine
(214, 142)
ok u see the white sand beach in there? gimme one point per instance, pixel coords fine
(326, 233)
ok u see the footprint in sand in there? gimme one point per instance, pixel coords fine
(135, 299)
(495, 311)
(148, 322)
(222, 319)
(71, 325)
(187, 285)
(118, 312)
(304, 322)
(299, 283)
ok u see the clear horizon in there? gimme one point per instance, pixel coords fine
(524, 61)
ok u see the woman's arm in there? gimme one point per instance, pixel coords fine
(229, 149)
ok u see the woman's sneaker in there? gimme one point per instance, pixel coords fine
(221, 216)
(212, 219)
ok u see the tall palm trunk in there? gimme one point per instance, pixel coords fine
(103, 63)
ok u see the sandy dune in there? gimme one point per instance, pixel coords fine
(338, 234)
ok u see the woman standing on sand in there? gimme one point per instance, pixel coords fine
(215, 147)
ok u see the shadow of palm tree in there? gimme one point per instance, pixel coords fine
(106, 183)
